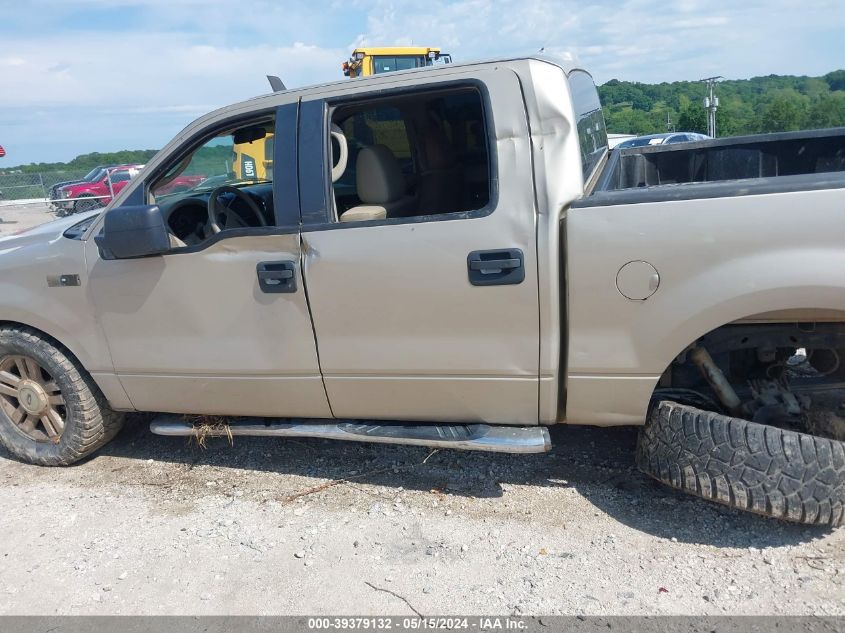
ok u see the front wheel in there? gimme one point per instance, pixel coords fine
(51, 412)
(763, 469)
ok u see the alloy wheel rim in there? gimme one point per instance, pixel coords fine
(31, 399)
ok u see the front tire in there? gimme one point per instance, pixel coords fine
(51, 411)
(86, 203)
(762, 469)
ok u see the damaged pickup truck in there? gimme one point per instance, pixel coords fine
(452, 257)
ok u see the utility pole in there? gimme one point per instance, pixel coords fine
(711, 103)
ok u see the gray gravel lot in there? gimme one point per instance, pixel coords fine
(158, 526)
(154, 525)
(16, 217)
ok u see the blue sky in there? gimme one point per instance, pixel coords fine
(99, 75)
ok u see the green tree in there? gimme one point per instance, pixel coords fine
(829, 111)
(693, 118)
(747, 106)
(784, 113)
(836, 80)
(86, 162)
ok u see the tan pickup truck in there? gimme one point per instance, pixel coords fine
(452, 257)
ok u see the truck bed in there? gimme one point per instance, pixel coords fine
(744, 165)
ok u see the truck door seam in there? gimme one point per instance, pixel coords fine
(303, 248)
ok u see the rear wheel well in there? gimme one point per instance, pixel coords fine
(774, 373)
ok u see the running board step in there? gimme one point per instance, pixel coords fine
(468, 437)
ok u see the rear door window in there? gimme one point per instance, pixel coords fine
(436, 138)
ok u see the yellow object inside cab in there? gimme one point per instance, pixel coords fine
(254, 160)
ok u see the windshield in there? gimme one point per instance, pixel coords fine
(383, 64)
(94, 174)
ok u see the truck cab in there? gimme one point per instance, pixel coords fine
(370, 60)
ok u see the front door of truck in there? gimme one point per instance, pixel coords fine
(220, 325)
(424, 297)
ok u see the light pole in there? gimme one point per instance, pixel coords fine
(711, 103)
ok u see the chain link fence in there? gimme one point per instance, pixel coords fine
(20, 186)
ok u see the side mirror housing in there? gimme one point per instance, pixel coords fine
(133, 231)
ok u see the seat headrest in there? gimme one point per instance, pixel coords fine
(437, 151)
(378, 175)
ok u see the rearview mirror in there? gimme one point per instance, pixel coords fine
(249, 134)
(133, 231)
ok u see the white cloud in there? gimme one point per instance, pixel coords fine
(644, 40)
(152, 65)
(155, 69)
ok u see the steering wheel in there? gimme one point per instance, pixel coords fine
(230, 216)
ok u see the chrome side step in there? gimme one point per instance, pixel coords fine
(467, 437)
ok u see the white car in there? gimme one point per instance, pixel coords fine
(668, 138)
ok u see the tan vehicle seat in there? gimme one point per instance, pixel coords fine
(381, 187)
(441, 176)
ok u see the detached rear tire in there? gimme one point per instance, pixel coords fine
(762, 469)
(51, 411)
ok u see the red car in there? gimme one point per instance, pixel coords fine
(86, 196)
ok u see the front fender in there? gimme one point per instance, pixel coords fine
(30, 295)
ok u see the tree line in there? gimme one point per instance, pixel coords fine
(775, 103)
(87, 162)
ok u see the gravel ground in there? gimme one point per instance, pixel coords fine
(16, 217)
(155, 525)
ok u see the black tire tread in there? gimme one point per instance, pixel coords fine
(93, 423)
(762, 469)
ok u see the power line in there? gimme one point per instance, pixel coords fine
(711, 103)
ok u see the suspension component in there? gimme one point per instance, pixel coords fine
(716, 378)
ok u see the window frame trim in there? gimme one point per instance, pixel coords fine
(312, 154)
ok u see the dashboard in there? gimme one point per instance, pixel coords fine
(187, 217)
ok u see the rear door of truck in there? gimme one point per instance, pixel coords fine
(431, 314)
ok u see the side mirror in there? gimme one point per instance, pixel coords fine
(133, 231)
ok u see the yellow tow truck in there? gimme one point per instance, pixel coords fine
(373, 60)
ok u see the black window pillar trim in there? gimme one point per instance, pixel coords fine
(136, 197)
(286, 199)
(313, 151)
